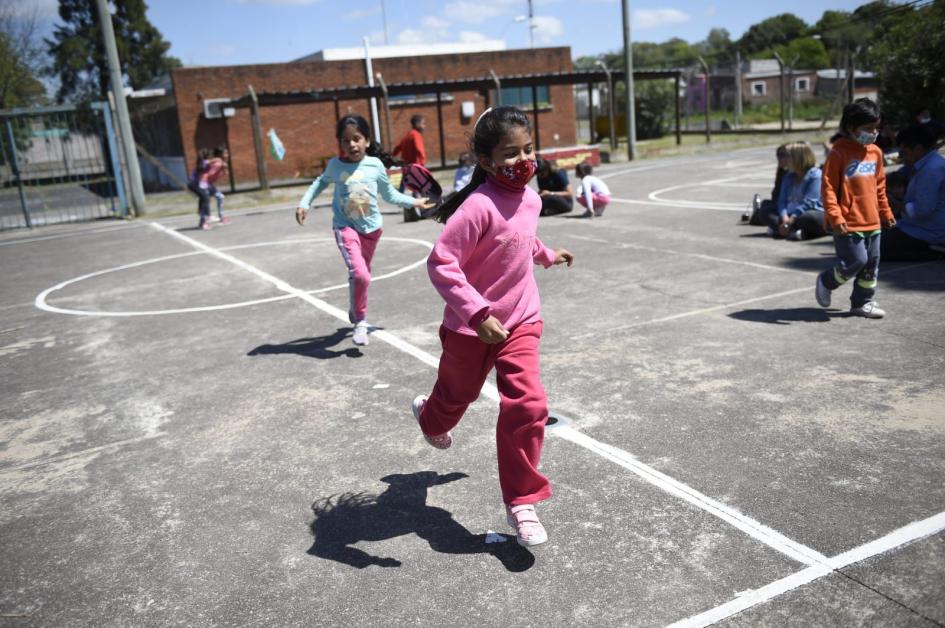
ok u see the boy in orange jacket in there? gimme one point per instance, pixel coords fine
(855, 208)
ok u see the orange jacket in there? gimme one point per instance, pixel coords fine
(411, 147)
(854, 187)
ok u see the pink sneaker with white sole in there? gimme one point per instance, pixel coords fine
(528, 528)
(441, 441)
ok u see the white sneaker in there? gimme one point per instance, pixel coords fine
(870, 309)
(821, 293)
(796, 235)
(442, 441)
(361, 333)
(528, 529)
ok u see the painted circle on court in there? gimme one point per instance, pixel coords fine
(42, 304)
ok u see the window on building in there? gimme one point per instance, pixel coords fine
(759, 88)
(522, 96)
(802, 85)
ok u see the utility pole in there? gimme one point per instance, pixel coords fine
(705, 99)
(611, 125)
(121, 108)
(738, 89)
(531, 26)
(384, 17)
(628, 69)
(781, 87)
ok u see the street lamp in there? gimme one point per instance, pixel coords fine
(610, 105)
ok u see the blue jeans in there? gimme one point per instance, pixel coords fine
(858, 257)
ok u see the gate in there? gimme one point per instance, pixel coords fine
(59, 164)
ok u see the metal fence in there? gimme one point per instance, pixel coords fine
(58, 164)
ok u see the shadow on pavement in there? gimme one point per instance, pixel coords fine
(346, 519)
(786, 316)
(318, 347)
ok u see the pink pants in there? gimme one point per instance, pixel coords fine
(523, 407)
(357, 250)
(600, 201)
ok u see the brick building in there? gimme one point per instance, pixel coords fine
(307, 129)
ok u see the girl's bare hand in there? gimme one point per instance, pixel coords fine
(300, 215)
(563, 256)
(842, 228)
(491, 331)
(423, 203)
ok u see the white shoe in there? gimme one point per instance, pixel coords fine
(870, 309)
(796, 235)
(441, 441)
(360, 336)
(821, 293)
(528, 529)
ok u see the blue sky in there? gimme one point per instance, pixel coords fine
(228, 32)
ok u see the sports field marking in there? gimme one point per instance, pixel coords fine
(733, 207)
(41, 303)
(769, 537)
(895, 539)
(640, 247)
(655, 195)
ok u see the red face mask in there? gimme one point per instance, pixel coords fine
(516, 176)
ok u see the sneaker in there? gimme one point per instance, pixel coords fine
(213, 219)
(225, 220)
(821, 293)
(205, 226)
(795, 236)
(528, 528)
(870, 309)
(443, 441)
(360, 336)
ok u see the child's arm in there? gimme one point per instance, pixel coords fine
(391, 195)
(313, 190)
(547, 257)
(830, 183)
(588, 194)
(886, 217)
(445, 264)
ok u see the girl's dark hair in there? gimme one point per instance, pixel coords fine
(583, 169)
(374, 149)
(859, 112)
(202, 156)
(219, 150)
(488, 133)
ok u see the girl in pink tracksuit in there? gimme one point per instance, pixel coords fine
(482, 266)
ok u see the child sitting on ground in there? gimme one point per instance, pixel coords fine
(592, 193)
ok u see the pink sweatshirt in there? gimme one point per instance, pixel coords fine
(484, 259)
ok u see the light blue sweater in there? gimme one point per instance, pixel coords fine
(798, 197)
(357, 184)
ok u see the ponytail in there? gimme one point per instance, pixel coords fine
(374, 149)
(451, 204)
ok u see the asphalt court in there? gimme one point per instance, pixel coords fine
(189, 435)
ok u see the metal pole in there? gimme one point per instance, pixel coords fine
(738, 89)
(610, 106)
(384, 17)
(590, 111)
(257, 140)
(124, 122)
(113, 154)
(791, 92)
(498, 88)
(531, 26)
(370, 81)
(851, 77)
(781, 86)
(705, 99)
(537, 136)
(380, 79)
(628, 65)
(678, 128)
(15, 164)
(439, 127)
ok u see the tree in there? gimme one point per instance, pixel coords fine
(809, 52)
(20, 58)
(910, 64)
(79, 54)
(774, 31)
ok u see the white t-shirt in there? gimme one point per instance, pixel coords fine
(591, 185)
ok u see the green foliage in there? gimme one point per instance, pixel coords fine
(653, 102)
(774, 31)
(78, 53)
(805, 53)
(19, 87)
(909, 57)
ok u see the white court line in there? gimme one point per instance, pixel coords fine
(906, 534)
(40, 301)
(74, 234)
(655, 195)
(756, 530)
(682, 204)
(625, 245)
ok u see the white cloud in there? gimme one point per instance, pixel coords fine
(471, 37)
(431, 21)
(655, 18)
(412, 36)
(471, 12)
(547, 28)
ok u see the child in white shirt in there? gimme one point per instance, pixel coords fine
(592, 193)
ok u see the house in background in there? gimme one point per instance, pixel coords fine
(762, 83)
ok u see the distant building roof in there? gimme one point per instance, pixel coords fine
(842, 74)
(408, 50)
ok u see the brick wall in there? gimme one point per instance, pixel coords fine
(307, 130)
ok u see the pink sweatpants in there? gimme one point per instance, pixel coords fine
(523, 406)
(357, 250)
(600, 201)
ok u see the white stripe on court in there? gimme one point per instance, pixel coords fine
(898, 538)
(682, 204)
(41, 303)
(769, 537)
(640, 247)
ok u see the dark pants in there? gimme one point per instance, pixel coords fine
(859, 258)
(898, 246)
(551, 205)
(811, 224)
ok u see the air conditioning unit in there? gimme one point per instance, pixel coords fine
(216, 108)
